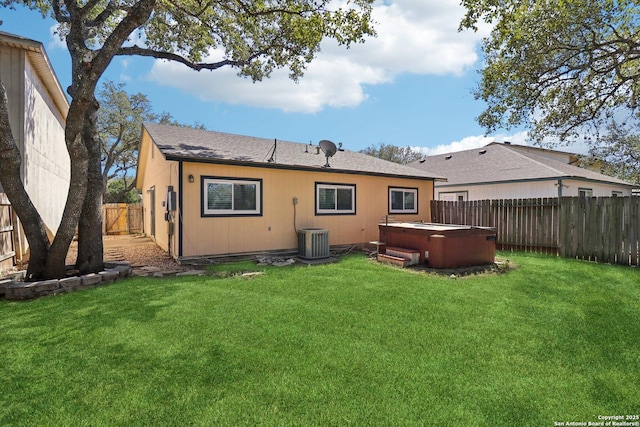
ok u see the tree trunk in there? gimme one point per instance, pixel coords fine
(90, 247)
(86, 176)
(45, 261)
(87, 66)
(55, 267)
(10, 162)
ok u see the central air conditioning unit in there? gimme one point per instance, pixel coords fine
(313, 243)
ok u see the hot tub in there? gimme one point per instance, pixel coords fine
(443, 245)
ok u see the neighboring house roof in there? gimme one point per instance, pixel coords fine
(571, 158)
(197, 145)
(38, 57)
(496, 163)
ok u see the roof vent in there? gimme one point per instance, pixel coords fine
(448, 157)
(483, 151)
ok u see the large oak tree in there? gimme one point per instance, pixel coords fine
(565, 69)
(257, 37)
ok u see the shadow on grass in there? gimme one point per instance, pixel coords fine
(137, 299)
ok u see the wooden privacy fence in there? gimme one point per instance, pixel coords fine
(603, 229)
(121, 218)
(7, 247)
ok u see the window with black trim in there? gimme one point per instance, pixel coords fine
(585, 192)
(403, 200)
(231, 196)
(335, 199)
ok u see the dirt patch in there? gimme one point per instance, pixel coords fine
(139, 250)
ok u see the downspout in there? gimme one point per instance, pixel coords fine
(433, 197)
(559, 187)
(179, 216)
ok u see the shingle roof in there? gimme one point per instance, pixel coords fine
(197, 145)
(500, 163)
(38, 56)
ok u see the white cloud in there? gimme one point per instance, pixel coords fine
(124, 65)
(55, 42)
(414, 36)
(420, 36)
(477, 141)
(471, 142)
(319, 88)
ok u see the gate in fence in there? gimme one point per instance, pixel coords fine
(602, 229)
(121, 218)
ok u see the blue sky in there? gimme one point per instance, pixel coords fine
(410, 86)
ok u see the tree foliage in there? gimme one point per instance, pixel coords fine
(617, 155)
(120, 190)
(120, 120)
(255, 37)
(402, 155)
(119, 125)
(564, 69)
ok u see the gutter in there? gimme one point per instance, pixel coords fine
(299, 168)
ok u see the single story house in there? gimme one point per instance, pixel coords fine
(38, 110)
(211, 193)
(508, 171)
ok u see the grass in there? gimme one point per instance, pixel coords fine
(353, 343)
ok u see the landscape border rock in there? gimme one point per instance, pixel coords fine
(16, 289)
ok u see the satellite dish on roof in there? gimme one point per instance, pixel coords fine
(329, 149)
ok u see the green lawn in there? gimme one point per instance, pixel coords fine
(353, 343)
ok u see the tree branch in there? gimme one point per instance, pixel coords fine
(104, 15)
(136, 50)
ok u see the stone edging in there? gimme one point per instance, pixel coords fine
(14, 289)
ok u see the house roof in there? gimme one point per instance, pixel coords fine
(197, 145)
(496, 163)
(38, 57)
(533, 148)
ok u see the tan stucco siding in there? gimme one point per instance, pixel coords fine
(275, 229)
(155, 174)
